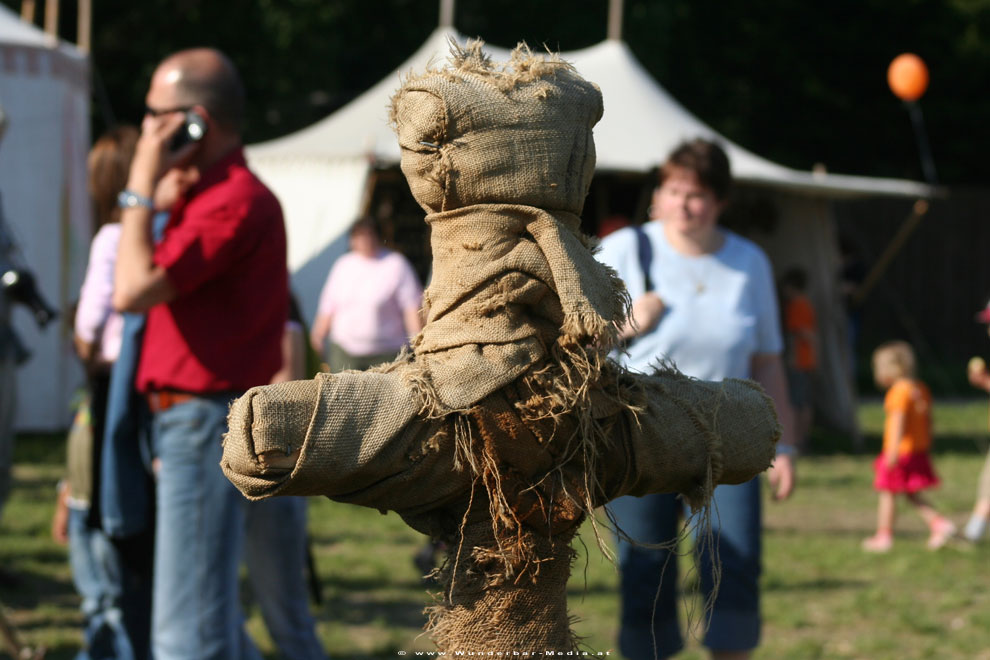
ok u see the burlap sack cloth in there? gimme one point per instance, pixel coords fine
(506, 424)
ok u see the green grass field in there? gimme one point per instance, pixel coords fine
(823, 597)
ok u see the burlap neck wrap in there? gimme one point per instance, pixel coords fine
(510, 285)
(506, 425)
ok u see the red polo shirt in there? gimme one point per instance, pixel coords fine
(224, 251)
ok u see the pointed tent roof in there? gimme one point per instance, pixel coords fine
(641, 124)
(22, 44)
(15, 31)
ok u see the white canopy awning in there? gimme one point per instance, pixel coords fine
(641, 124)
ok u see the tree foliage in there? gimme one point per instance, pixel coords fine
(799, 83)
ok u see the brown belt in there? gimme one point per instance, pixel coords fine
(162, 400)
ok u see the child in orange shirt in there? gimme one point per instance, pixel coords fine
(904, 465)
(801, 335)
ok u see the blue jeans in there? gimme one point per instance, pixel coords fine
(649, 604)
(196, 614)
(98, 576)
(275, 554)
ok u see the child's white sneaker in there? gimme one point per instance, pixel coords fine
(975, 528)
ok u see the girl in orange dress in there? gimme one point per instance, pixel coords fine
(904, 465)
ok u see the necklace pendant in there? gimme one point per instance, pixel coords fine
(699, 288)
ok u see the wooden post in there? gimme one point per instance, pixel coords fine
(28, 10)
(918, 212)
(446, 13)
(84, 29)
(51, 17)
(615, 20)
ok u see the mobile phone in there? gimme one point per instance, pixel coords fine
(192, 130)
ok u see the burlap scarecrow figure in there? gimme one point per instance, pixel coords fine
(506, 424)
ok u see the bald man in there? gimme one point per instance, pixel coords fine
(215, 291)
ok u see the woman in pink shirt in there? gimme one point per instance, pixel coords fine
(370, 304)
(97, 325)
(110, 579)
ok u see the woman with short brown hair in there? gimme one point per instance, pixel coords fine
(704, 300)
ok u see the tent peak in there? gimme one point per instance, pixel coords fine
(614, 31)
(446, 14)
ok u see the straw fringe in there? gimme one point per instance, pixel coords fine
(523, 68)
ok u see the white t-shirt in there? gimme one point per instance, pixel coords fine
(721, 308)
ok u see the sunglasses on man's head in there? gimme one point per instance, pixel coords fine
(167, 111)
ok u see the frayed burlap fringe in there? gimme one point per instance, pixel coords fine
(525, 613)
(523, 68)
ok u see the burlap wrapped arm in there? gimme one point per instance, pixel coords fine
(677, 435)
(360, 437)
(691, 435)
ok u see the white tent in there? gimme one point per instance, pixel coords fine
(44, 92)
(321, 174)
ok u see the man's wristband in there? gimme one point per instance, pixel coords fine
(128, 199)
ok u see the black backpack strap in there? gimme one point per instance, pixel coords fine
(645, 251)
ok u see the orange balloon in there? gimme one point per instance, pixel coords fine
(907, 76)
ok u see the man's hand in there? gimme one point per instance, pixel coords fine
(152, 156)
(139, 284)
(644, 316)
(782, 477)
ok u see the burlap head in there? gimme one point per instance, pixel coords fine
(478, 132)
